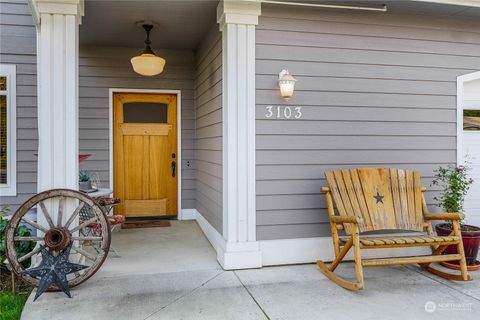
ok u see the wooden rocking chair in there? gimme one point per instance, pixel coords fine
(378, 199)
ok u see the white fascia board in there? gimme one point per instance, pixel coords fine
(463, 3)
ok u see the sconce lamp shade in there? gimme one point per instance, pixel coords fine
(148, 64)
(286, 83)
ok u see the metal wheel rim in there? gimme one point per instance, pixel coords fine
(32, 202)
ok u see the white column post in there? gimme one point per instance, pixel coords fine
(57, 80)
(237, 20)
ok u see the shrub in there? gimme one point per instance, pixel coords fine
(23, 247)
(455, 184)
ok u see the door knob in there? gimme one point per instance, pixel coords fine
(174, 166)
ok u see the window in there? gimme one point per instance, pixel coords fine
(145, 112)
(8, 147)
(471, 120)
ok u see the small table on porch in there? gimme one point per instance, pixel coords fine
(113, 219)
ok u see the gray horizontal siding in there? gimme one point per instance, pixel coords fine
(375, 90)
(208, 118)
(18, 47)
(102, 68)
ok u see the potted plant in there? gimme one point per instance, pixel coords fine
(84, 183)
(455, 183)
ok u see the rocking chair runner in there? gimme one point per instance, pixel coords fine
(376, 199)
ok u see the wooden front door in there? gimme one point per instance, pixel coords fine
(145, 154)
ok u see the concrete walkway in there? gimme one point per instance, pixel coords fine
(171, 273)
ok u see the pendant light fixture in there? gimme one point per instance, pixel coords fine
(147, 63)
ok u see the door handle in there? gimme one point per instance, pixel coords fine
(174, 166)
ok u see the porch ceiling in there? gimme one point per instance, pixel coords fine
(182, 23)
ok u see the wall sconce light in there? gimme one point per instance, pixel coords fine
(286, 83)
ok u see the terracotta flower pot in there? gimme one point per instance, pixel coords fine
(471, 241)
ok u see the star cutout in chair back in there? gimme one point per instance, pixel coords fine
(379, 198)
(54, 270)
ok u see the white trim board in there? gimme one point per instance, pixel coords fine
(213, 236)
(460, 104)
(308, 250)
(111, 91)
(286, 251)
(10, 72)
(463, 3)
(231, 255)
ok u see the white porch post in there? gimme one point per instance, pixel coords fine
(237, 20)
(57, 80)
(57, 50)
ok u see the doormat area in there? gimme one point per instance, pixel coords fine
(145, 224)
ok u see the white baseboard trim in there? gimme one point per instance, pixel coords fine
(308, 250)
(231, 256)
(215, 238)
(188, 214)
(248, 255)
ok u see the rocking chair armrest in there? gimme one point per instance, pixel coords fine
(444, 216)
(343, 219)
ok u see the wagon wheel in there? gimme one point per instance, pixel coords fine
(90, 235)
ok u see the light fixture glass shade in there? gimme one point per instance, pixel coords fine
(286, 83)
(148, 64)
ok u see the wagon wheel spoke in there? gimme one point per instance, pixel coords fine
(46, 214)
(17, 238)
(35, 225)
(88, 238)
(79, 261)
(74, 214)
(61, 209)
(83, 253)
(84, 224)
(30, 254)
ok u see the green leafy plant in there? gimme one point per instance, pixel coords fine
(22, 247)
(83, 176)
(455, 183)
(3, 227)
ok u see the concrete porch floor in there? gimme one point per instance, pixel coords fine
(172, 273)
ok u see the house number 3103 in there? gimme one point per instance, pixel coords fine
(283, 112)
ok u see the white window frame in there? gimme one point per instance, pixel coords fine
(460, 106)
(10, 71)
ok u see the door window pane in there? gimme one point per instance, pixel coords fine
(471, 120)
(3, 139)
(145, 112)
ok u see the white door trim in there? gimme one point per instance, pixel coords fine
(111, 91)
(460, 84)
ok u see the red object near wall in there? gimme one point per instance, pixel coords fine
(84, 156)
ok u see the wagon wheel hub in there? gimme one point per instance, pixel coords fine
(57, 239)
